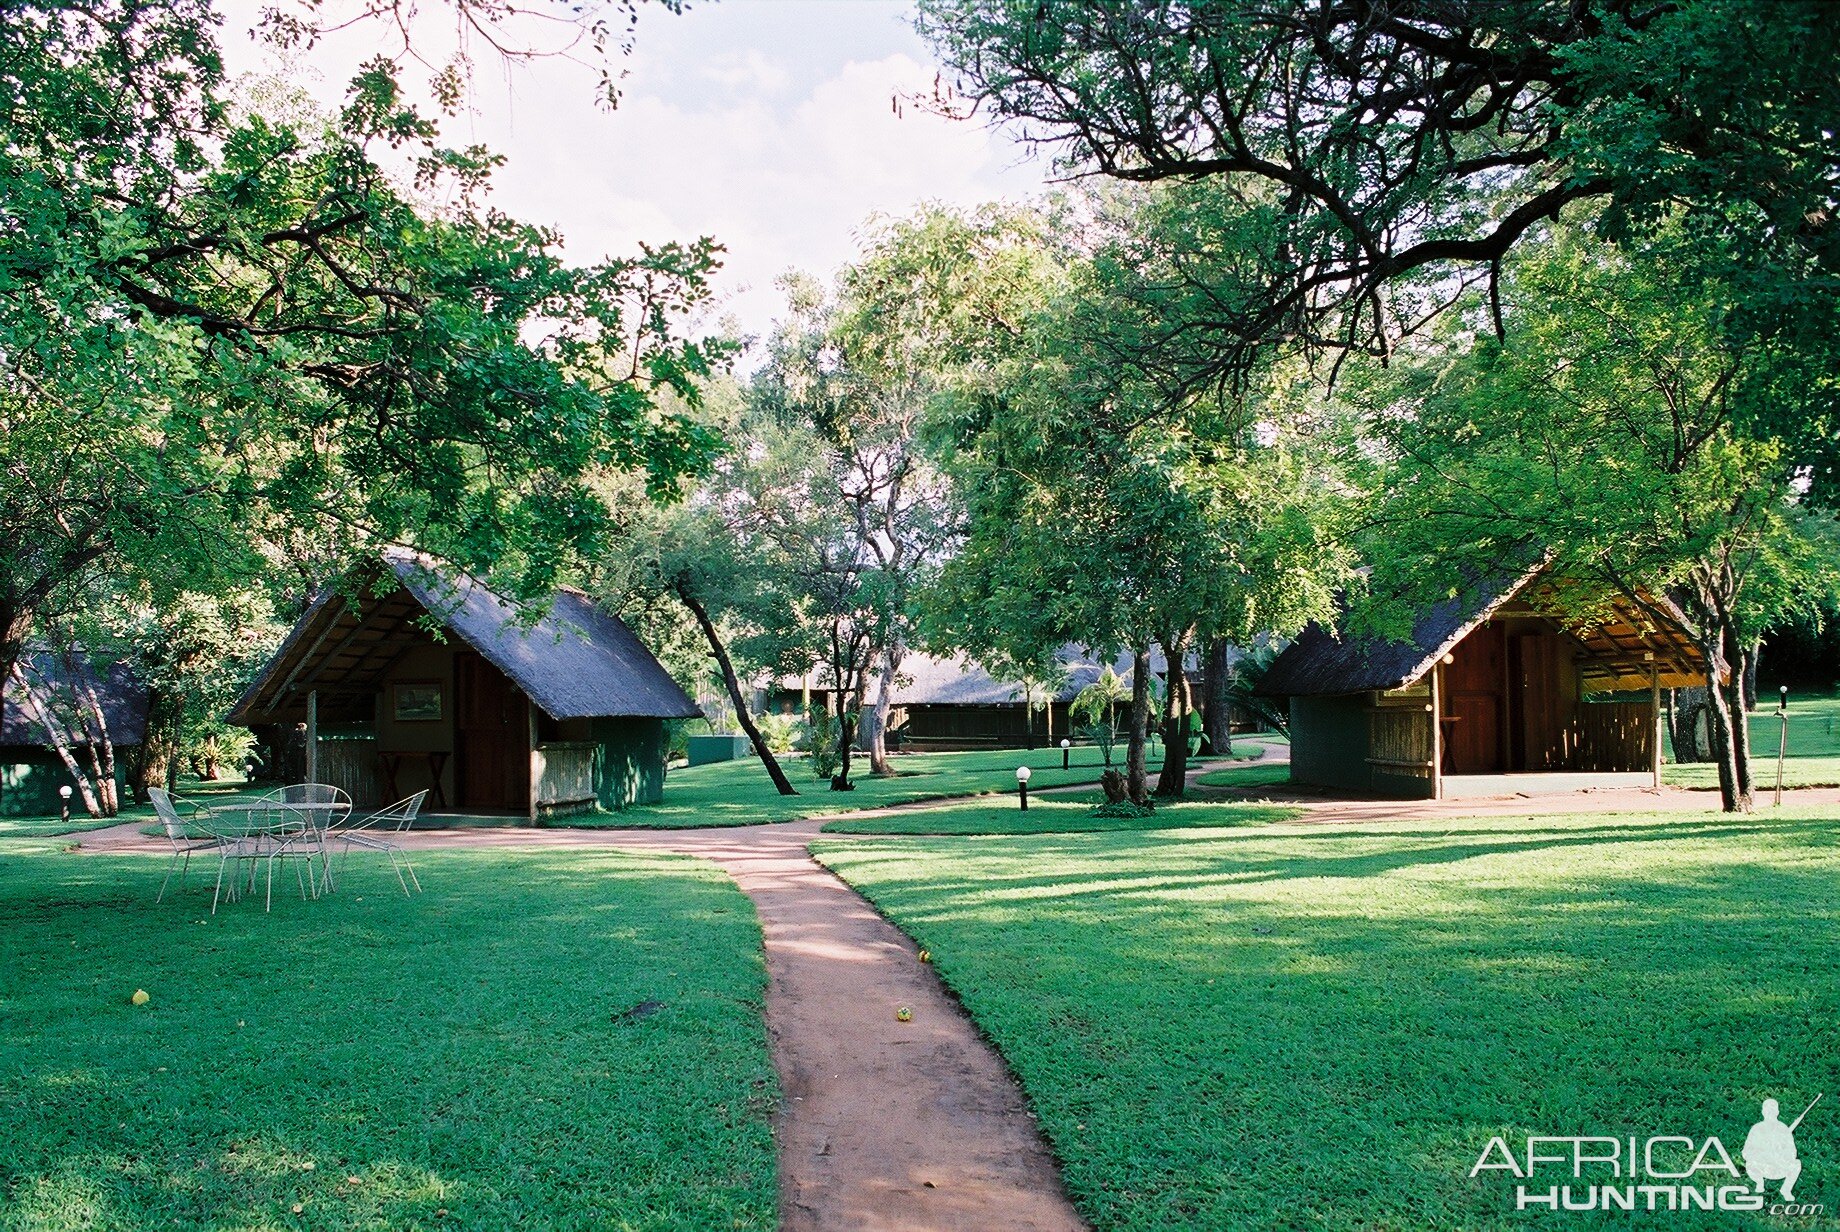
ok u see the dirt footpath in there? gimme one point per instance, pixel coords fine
(885, 1125)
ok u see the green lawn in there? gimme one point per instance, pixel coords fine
(1069, 813)
(215, 792)
(1268, 774)
(738, 793)
(1321, 1027)
(1813, 751)
(466, 1059)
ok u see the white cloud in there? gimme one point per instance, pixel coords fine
(771, 128)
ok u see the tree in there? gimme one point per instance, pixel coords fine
(1101, 697)
(858, 372)
(1608, 435)
(222, 330)
(699, 556)
(1363, 163)
(195, 653)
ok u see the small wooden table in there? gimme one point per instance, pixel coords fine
(390, 762)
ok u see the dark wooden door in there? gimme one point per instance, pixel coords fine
(492, 730)
(1473, 686)
(1543, 699)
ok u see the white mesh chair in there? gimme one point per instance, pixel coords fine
(183, 832)
(369, 834)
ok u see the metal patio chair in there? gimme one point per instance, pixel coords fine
(368, 833)
(291, 824)
(179, 832)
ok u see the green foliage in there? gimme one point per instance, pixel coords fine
(1205, 1020)
(1124, 810)
(1102, 736)
(197, 653)
(822, 738)
(234, 338)
(782, 732)
(1102, 697)
(1338, 173)
(516, 976)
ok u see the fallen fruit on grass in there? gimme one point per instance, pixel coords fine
(926, 956)
(140, 997)
(903, 1015)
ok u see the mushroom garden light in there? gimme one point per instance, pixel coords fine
(1022, 786)
(1066, 751)
(64, 798)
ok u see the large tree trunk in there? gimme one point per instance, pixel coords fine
(1742, 684)
(1687, 715)
(1732, 795)
(100, 742)
(15, 628)
(877, 719)
(846, 739)
(1172, 780)
(1135, 770)
(1216, 710)
(152, 763)
(733, 682)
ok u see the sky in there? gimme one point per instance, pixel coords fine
(768, 124)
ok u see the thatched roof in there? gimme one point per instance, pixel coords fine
(118, 689)
(1615, 652)
(575, 661)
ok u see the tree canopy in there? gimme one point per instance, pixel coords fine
(230, 331)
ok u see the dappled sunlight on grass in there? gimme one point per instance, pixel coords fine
(377, 1059)
(1321, 1026)
(1065, 813)
(738, 793)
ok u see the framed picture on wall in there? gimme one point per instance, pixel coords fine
(416, 701)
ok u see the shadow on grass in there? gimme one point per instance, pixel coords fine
(1204, 1025)
(465, 1050)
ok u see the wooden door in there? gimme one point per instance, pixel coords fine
(492, 738)
(1544, 696)
(1473, 709)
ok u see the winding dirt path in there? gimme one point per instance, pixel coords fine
(884, 1126)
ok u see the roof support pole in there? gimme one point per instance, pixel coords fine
(312, 735)
(536, 760)
(1437, 732)
(1654, 724)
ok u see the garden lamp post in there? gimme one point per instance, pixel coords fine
(64, 798)
(1782, 741)
(1022, 786)
(1066, 751)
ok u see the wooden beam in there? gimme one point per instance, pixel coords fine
(1437, 732)
(313, 736)
(287, 686)
(530, 714)
(1654, 723)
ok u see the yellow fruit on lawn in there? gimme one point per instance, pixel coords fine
(140, 997)
(926, 956)
(904, 1015)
